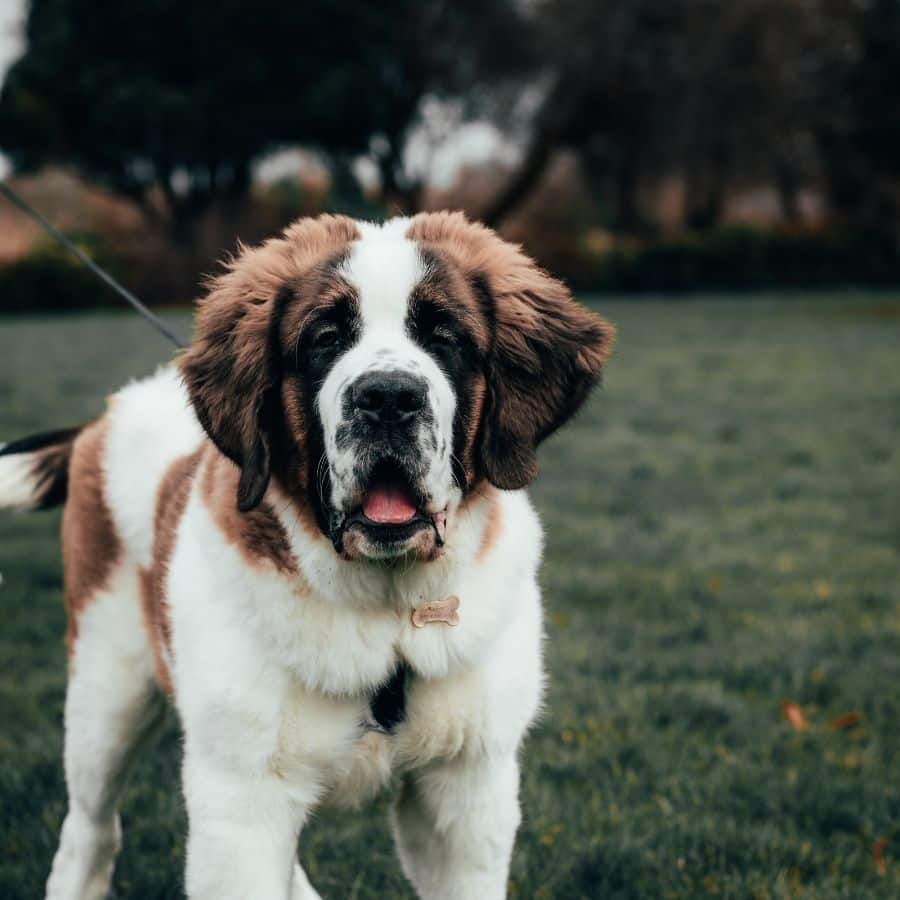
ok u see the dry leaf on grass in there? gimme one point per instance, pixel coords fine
(847, 720)
(793, 715)
(878, 855)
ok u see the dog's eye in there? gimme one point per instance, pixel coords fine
(326, 339)
(442, 337)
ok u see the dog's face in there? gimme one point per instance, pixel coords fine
(387, 401)
(380, 373)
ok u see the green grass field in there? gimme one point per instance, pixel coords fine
(723, 529)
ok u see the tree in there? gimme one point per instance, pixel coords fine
(860, 141)
(170, 102)
(716, 92)
(610, 68)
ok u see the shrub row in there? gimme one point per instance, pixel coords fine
(725, 260)
(49, 277)
(744, 259)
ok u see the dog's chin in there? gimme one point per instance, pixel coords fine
(417, 539)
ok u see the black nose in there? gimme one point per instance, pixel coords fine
(389, 398)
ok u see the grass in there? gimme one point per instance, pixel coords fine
(723, 530)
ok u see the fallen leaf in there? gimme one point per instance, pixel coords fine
(793, 715)
(714, 584)
(847, 720)
(878, 855)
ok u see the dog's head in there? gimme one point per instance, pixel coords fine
(380, 373)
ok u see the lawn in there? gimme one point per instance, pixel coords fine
(723, 530)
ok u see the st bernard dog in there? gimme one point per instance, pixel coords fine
(312, 535)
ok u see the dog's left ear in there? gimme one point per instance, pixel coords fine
(546, 355)
(233, 374)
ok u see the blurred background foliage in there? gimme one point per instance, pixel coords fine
(629, 144)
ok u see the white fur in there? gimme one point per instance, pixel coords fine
(273, 673)
(150, 424)
(111, 708)
(18, 486)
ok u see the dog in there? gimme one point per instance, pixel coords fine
(312, 534)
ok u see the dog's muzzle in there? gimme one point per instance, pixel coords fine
(389, 515)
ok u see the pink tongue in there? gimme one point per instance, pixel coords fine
(389, 505)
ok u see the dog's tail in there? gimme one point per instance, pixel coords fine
(34, 471)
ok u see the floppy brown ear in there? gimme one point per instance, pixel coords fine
(546, 355)
(232, 372)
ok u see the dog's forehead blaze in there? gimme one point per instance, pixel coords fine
(384, 267)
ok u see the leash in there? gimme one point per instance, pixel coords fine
(88, 263)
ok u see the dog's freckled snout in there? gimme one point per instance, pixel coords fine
(389, 398)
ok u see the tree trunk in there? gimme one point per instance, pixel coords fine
(522, 182)
(555, 118)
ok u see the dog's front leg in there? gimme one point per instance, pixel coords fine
(454, 826)
(242, 835)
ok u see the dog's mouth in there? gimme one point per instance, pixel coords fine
(391, 518)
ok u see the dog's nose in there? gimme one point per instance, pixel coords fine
(389, 398)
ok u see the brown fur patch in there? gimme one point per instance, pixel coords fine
(447, 284)
(469, 455)
(257, 534)
(171, 500)
(91, 548)
(546, 352)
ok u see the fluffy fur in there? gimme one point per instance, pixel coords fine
(217, 547)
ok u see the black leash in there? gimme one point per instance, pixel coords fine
(86, 261)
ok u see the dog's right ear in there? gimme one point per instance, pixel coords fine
(232, 372)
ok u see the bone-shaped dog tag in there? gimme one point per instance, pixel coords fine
(437, 611)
